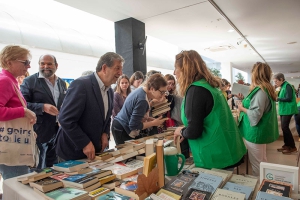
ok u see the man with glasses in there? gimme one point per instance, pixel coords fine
(44, 93)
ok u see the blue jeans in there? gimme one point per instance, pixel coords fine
(297, 120)
(13, 171)
(47, 153)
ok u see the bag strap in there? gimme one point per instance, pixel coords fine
(20, 98)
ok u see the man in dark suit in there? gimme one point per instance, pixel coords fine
(86, 112)
(44, 93)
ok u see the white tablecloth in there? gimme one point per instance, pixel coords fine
(14, 190)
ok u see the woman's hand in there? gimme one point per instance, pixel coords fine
(158, 121)
(30, 115)
(177, 134)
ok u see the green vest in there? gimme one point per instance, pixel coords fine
(298, 104)
(287, 108)
(266, 131)
(221, 144)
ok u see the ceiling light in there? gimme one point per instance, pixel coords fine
(291, 42)
(230, 30)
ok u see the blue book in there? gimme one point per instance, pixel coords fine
(207, 182)
(238, 188)
(265, 196)
(113, 195)
(70, 166)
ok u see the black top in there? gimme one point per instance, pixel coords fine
(198, 104)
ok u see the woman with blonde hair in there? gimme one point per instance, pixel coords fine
(212, 133)
(258, 119)
(121, 93)
(14, 61)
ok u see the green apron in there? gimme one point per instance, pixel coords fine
(266, 131)
(287, 108)
(221, 144)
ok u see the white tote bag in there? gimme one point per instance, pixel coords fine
(17, 141)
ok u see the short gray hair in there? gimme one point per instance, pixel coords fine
(279, 76)
(108, 59)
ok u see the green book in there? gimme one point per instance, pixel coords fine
(66, 193)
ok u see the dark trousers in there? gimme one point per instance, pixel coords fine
(297, 120)
(119, 133)
(47, 152)
(287, 134)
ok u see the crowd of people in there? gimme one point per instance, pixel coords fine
(75, 122)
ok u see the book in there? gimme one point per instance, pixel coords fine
(39, 176)
(276, 188)
(112, 184)
(180, 184)
(167, 195)
(124, 156)
(153, 197)
(160, 103)
(106, 179)
(99, 173)
(197, 194)
(223, 171)
(197, 169)
(149, 163)
(242, 180)
(129, 185)
(129, 193)
(265, 196)
(156, 113)
(91, 187)
(160, 162)
(113, 195)
(221, 174)
(207, 182)
(46, 184)
(98, 192)
(70, 166)
(79, 180)
(101, 165)
(63, 194)
(60, 176)
(80, 171)
(122, 171)
(239, 88)
(239, 188)
(227, 195)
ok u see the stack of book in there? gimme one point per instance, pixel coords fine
(161, 108)
(70, 166)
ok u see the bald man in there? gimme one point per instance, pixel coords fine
(44, 93)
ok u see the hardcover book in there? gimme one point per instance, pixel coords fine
(239, 188)
(113, 195)
(179, 184)
(46, 184)
(63, 194)
(207, 182)
(70, 166)
(227, 194)
(242, 180)
(265, 196)
(197, 194)
(276, 188)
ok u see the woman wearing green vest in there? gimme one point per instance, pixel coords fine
(287, 107)
(258, 118)
(209, 127)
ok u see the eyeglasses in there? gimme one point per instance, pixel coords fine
(25, 62)
(163, 92)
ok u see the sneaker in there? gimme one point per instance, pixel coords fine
(289, 151)
(282, 148)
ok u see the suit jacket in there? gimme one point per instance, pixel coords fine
(82, 118)
(36, 92)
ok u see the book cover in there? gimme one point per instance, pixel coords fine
(207, 182)
(179, 184)
(276, 188)
(227, 194)
(60, 176)
(221, 174)
(167, 195)
(265, 196)
(46, 184)
(106, 179)
(113, 195)
(80, 180)
(70, 166)
(239, 88)
(242, 180)
(239, 188)
(98, 192)
(66, 193)
(129, 185)
(197, 194)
